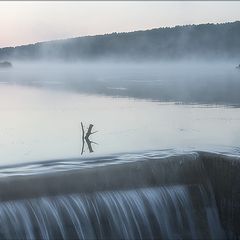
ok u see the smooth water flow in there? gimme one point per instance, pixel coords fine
(152, 213)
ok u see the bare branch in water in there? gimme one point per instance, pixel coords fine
(83, 142)
(85, 137)
(89, 131)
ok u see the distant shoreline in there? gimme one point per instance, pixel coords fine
(204, 41)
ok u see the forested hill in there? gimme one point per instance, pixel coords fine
(197, 41)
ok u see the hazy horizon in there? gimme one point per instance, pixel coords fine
(31, 22)
(93, 35)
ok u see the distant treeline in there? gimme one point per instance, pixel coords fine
(196, 41)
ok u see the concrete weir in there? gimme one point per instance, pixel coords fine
(174, 170)
(215, 174)
(224, 175)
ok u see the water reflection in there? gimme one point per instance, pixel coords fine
(85, 138)
(184, 82)
(41, 124)
(41, 110)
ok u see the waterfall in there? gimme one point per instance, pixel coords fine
(167, 212)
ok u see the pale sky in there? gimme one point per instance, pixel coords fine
(30, 22)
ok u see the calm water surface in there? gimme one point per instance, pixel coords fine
(42, 124)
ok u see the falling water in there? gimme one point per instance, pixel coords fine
(167, 212)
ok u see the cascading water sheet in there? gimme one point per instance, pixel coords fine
(146, 213)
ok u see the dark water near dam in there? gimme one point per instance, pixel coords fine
(163, 163)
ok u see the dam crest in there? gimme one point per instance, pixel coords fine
(193, 195)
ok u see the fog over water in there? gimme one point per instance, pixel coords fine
(183, 81)
(133, 106)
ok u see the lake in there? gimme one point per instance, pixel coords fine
(162, 160)
(42, 109)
